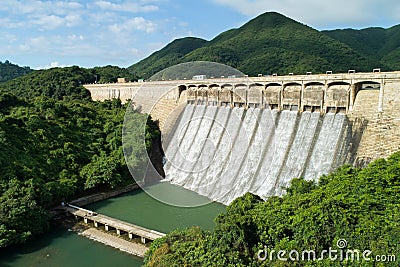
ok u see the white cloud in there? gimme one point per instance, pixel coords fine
(137, 23)
(127, 6)
(39, 41)
(153, 1)
(68, 5)
(48, 15)
(322, 14)
(8, 23)
(11, 38)
(24, 48)
(73, 20)
(55, 14)
(134, 51)
(75, 37)
(76, 31)
(99, 18)
(49, 22)
(37, 7)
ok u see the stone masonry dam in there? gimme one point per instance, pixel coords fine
(258, 133)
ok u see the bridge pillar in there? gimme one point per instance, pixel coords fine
(143, 239)
(85, 220)
(323, 107)
(106, 227)
(352, 96)
(301, 100)
(381, 95)
(96, 224)
(130, 235)
(281, 92)
(118, 232)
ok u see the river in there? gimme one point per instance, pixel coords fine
(61, 247)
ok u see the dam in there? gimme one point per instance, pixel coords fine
(223, 137)
(255, 150)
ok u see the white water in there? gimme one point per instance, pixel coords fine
(223, 153)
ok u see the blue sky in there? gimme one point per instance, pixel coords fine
(46, 33)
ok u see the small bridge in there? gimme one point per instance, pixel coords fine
(109, 223)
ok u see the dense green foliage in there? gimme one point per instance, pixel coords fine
(52, 149)
(60, 83)
(9, 71)
(270, 43)
(358, 205)
(383, 45)
(110, 74)
(56, 83)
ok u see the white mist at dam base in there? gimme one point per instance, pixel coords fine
(223, 152)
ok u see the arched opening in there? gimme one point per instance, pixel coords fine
(202, 95)
(181, 90)
(225, 95)
(191, 94)
(255, 95)
(291, 96)
(272, 95)
(313, 97)
(213, 94)
(366, 85)
(337, 97)
(365, 95)
(240, 95)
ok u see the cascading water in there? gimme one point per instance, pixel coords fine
(223, 153)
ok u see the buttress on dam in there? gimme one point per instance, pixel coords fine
(225, 137)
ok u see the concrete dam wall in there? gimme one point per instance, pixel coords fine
(224, 137)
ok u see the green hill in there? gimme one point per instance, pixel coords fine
(380, 44)
(170, 55)
(9, 71)
(270, 43)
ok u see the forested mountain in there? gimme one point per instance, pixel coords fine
(380, 44)
(169, 56)
(273, 43)
(9, 71)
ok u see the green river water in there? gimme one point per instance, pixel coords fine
(65, 248)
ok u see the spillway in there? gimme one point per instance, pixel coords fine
(223, 152)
